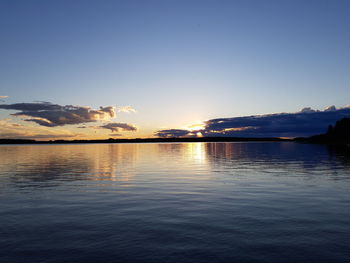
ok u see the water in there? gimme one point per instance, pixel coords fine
(181, 202)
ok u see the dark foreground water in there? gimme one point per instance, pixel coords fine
(190, 202)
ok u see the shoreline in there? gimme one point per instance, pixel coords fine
(147, 140)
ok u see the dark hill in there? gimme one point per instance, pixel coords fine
(339, 134)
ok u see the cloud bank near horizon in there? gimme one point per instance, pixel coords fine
(173, 133)
(306, 122)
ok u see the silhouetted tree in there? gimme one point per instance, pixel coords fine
(338, 134)
(330, 130)
(342, 128)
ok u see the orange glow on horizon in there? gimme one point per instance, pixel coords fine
(199, 134)
(198, 125)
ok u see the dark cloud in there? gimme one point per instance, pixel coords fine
(173, 133)
(52, 115)
(116, 127)
(304, 123)
(36, 106)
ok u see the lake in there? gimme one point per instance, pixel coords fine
(174, 202)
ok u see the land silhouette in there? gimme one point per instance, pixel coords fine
(143, 140)
(338, 134)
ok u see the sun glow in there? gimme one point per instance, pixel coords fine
(199, 134)
(198, 125)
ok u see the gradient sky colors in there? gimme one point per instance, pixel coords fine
(176, 63)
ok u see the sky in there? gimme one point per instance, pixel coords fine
(167, 65)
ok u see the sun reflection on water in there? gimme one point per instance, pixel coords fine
(196, 151)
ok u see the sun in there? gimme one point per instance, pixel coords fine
(198, 125)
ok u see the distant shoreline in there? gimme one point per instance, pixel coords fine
(337, 135)
(147, 140)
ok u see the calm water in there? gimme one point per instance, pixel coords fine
(189, 202)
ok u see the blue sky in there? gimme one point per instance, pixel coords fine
(176, 62)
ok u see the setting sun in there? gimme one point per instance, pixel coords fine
(198, 125)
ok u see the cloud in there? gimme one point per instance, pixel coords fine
(330, 108)
(52, 115)
(307, 110)
(303, 123)
(172, 133)
(127, 109)
(3, 97)
(117, 127)
(115, 134)
(12, 130)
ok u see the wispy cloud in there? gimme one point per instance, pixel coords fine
(115, 134)
(11, 130)
(3, 97)
(117, 127)
(303, 123)
(127, 109)
(52, 115)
